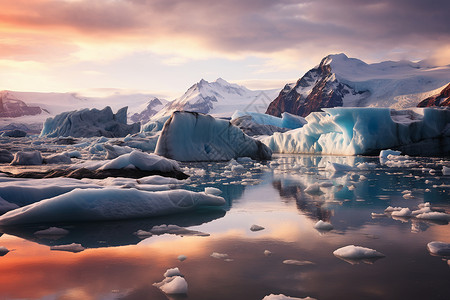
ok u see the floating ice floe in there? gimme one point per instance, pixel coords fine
(283, 297)
(323, 226)
(267, 252)
(386, 153)
(190, 136)
(434, 215)
(335, 167)
(4, 251)
(445, 170)
(27, 158)
(182, 257)
(172, 272)
(223, 256)
(404, 212)
(439, 248)
(353, 252)
(142, 234)
(89, 123)
(173, 285)
(175, 229)
(255, 227)
(109, 204)
(353, 131)
(55, 231)
(59, 158)
(314, 189)
(74, 247)
(297, 262)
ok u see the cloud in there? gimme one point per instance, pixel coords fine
(369, 29)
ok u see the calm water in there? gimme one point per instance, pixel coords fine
(119, 265)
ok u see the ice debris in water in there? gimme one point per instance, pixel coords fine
(404, 212)
(283, 297)
(335, 167)
(108, 204)
(445, 170)
(4, 251)
(357, 252)
(314, 189)
(142, 234)
(434, 215)
(255, 227)
(175, 229)
(439, 248)
(324, 226)
(267, 252)
(386, 153)
(52, 231)
(182, 257)
(27, 158)
(173, 282)
(297, 262)
(69, 248)
(223, 256)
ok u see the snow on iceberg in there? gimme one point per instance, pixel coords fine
(353, 131)
(287, 120)
(188, 136)
(108, 204)
(89, 123)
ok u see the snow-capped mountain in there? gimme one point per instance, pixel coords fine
(441, 99)
(148, 110)
(12, 107)
(349, 82)
(219, 98)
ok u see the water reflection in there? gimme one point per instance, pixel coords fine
(109, 234)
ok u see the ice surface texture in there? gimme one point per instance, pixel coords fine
(188, 136)
(353, 131)
(89, 123)
(108, 204)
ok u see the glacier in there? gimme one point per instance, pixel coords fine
(90, 123)
(366, 131)
(108, 204)
(189, 136)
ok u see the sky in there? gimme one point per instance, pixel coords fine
(162, 47)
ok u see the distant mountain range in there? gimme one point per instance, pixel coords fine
(349, 82)
(219, 98)
(336, 81)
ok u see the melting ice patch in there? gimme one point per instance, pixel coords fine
(354, 254)
(108, 204)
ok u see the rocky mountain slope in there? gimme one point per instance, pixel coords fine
(441, 99)
(349, 82)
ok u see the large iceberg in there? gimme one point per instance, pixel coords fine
(188, 136)
(354, 131)
(287, 120)
(89, 123)
(108, 204)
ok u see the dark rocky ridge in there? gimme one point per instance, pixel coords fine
(441, 99)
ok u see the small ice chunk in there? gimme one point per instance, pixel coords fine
(212, 191)
(357, 252)
(313, 189)
(173, 285)
(175, 229)
(377, 215)
(52, 231)
(3, 251)
(327, 183)
(172, 272)
(182, 257)
(237, 168)
(426, 204)
(267, 253)
(142, 234)
(70, 248)
(366, 166)
(404, 212)
(434, 215)
(325, 226)
(445, 170)
(297, 262)
(335, 167)
(391, 209)
(255, 227)
(219, 255)
(283, 297)
(439, 248)
(422, 210)
(386, 153)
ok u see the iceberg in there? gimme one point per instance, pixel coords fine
(108, 204)
(357, 252)
(188, 136)
(354, 131)
(287, 120)
(90, 123)
(27, 158)
(439, 248)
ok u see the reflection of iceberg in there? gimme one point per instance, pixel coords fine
(113, 233)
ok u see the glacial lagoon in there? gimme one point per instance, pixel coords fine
(225, 259)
